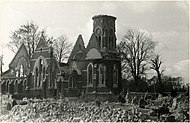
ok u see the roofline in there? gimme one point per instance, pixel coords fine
(18, 52)
(108, 16)
(6, 72)
(79, 36)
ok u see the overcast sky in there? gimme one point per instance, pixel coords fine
(166, 21)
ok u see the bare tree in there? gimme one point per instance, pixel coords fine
(1, 64)
(27, 34)
(62, 48)
(156, 65)
(135, 50)
(126, 73)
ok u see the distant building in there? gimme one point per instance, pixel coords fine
(91, 70)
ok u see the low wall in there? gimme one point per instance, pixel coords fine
(139, 95)
(100, 97)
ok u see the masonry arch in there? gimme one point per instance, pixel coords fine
(90, 74)
(102, 75)
(39, 71)
(24, 85)
(16, 86)
(20, 86)
(93, 54)
(78, 55)
(3, 86)
(7, 85)
(11, 87)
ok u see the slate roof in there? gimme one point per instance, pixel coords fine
(93, 43)
(42, 42)
(6, 73)
(79, 45)
(22, 47)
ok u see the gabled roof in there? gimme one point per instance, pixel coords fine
(22, 47)
(93, 43)
(79, 45)
(6, 73)
(42, 42)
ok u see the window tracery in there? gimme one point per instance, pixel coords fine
(90, 74)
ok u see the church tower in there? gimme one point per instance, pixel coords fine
(103, 71)
(104, 29)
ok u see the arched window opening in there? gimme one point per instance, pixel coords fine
(106, 42)
(7, 86)
(36, 78)
(90, 74)
(11, 87)
(24, 85)
(3, 87)
(101, 75)
(104, 76)
(99, 41)
(44, 72)
(20, 86)
(16, 86)
(115, 76)
(78, 55)
(111, 42)
(21, 71)
(40, 72)
(17, 74)
(41, 64)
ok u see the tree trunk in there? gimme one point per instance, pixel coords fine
(159, 82)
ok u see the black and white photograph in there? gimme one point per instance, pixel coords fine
(94, 61)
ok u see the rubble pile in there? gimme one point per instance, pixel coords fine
(51, 110)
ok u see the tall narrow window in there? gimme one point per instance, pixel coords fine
(36, 77)
(21, 71)
(106, 42)
(44, 72)
(20, 86)
(90, 74)
(7, 85)
(101, 75)
(24, 85)
(40, 72)
(111, 42)
(70, 82)
(100, 42)
(104, 75)
(11, 87)
(115, 76)
(17, 73)
(111, 33)
(16, 86)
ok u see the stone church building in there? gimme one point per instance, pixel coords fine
(94, 70)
